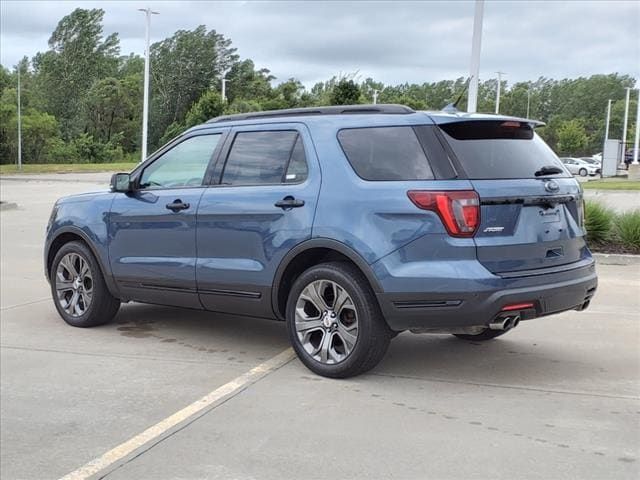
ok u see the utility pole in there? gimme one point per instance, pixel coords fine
(498, 91)
(375, 96)
(474, 71)
(624, 127)
(145, 104)
(606, 127)
(19, 123)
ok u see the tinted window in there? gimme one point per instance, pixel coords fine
(385, 153)
(182, 166)
(262, 158)
(503, 149)
(297, 171)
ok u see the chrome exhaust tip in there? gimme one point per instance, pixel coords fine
(505, 322)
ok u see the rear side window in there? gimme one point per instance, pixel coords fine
(385, 153)
(499, 149)
(265, 158)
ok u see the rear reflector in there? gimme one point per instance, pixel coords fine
(517, 306)
(459, 210)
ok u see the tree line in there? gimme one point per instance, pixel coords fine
(82, 100)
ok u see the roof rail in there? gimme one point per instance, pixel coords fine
(391, 109)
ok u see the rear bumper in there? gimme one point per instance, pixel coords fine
(550, 293)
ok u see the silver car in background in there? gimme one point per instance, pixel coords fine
(578, 166)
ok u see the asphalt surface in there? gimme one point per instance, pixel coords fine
(558, 397)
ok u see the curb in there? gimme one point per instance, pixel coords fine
(616, 259)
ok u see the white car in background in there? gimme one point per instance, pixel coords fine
(577, 166)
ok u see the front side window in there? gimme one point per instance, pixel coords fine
(265, 158)
(385, 153)
(182, 166)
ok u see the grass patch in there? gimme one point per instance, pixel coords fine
(68, 168)
(598, 221)
(628, 229)
(616, 184)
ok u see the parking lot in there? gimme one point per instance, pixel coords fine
(558, 397)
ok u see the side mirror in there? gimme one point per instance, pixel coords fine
(121, 182)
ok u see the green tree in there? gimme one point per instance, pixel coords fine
(345, 92)
(572, 137)
(183, 67)
(78, 55)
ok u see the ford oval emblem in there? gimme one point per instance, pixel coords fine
(551, 186)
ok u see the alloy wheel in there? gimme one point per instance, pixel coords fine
(74, 284)
(326, 321)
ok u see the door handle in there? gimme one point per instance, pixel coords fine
(177, 205)
(288, 202)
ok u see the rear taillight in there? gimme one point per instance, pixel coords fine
(580, 207)
(459, 210)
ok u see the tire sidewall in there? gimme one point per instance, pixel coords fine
(583, 172)
(87, 319)
(363, 311)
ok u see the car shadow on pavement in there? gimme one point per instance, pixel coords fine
(198, 329)
(514, 360)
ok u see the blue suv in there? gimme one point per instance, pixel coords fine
(350, 223)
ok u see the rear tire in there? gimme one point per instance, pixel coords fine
(79, 291)
(583, 172)
(334, 321)
(485, 335)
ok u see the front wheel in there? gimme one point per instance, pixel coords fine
(583, 172)
(78, 288)
(334, 322)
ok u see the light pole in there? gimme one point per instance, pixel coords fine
(223, 92)
(624, 127)
(528, 99)
(145, 105)
(375, 96)
(606, 127)
(19, 124)
(498, 91)
(635, 141)
(474, 71)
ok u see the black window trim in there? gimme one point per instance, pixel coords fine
(412, 127)
(223, 158)
(136, 173)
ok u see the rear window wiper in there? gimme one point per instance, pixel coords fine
(548, 170)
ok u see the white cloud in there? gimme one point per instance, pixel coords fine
(393, 42)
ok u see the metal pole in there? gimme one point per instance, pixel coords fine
(19, 124)
(528, 99)
(606, 128)
(474, 71)
(624, 127)
(498, 91)
(635, 141)
(375, 97)
(224, 89)
(145, 105)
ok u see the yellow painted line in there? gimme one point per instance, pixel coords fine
(152, 433)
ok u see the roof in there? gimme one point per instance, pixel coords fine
(386, 109)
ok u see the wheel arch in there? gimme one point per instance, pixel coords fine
(71, 234)
(307, 254)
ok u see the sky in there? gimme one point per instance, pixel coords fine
(392, 42)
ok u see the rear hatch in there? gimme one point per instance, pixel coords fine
(530, 206)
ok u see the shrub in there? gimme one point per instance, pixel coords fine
(598, 221)
(628, 229)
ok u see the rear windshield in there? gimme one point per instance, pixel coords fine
(385, 153)
(499, 149)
